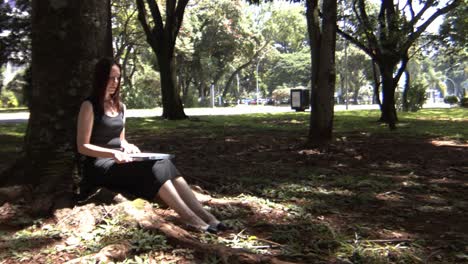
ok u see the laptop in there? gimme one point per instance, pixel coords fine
(150, 156)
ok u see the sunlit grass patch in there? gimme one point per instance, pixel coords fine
(368, 252)
(47, 240)
(21, 244)
(429, 122)
(446, 114)
(13, 109)
(446, 123)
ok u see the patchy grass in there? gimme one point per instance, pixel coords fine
(375, 196)
(13, 110)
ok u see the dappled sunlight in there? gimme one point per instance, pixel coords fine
(449, 143)
(391, 196)
(282, 122)
(373, 196)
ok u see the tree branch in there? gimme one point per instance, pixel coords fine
(364, 20)
(156, 14)
(416, 18)
(356, 42)
(142, 18)
(179, 16)
(413, 36)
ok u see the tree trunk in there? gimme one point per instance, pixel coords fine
(172, 103)
(404, 99)
(127, 77)
(322, 42)
(376, 97)
(162, 39)
(67, 39)
(388, 114)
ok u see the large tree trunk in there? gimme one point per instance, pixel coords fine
(376, 88)
(388, 114)
(67, 39)
(162, 39)
(172, 103)
(322, 42)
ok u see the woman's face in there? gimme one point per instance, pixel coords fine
(113, 81)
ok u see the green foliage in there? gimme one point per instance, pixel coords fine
(416, 96)
(451, 99)
(20, 85)
(8, 99)
(290, 69)
(215, 38)
(115, 229)
(146, 91)
(15, 41)
(281, 95)
(286, 27)
(355, 75)
(454, 29)
(464, 102)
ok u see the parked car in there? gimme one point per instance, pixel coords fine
(270, 101)
(253, 102)
(245, 100)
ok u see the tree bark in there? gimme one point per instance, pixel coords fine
(388, 114)
(322, 43)
(172, 103)
(375, 75)
(162, 39)
(404, 99)
(67, 39)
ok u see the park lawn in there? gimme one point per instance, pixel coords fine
(374, 196)
(13, 109)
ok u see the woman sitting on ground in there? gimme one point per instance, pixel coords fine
(101, 138)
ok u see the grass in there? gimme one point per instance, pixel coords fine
(13, 109)
(309, 208)
(446, 123)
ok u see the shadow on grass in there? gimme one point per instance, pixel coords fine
(320, 206)
(375, 186)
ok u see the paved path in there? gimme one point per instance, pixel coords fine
(22, 117)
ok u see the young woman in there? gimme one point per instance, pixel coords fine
(101, 139)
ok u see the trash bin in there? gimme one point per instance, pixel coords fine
(300, 99)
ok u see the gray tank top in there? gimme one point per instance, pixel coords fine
(106, 129)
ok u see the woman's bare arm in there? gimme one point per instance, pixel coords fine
(84, 129)
(127, 147)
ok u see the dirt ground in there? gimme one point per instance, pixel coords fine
(404, 198)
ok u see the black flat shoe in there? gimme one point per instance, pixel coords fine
(222, 227)
(211, 229)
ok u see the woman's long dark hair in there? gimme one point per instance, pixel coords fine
(101, 78)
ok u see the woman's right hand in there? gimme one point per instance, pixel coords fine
(122, 157)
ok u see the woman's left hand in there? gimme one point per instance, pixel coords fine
(130, 148)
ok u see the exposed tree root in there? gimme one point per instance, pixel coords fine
(147, 219)
(114, 252)
(142, 213)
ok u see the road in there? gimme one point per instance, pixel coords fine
(22, 117)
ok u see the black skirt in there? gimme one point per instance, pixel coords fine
(139, 178)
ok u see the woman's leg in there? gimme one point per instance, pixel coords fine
(170, 196)
(192, 202)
